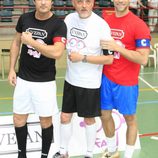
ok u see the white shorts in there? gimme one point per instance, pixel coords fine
(35, 97)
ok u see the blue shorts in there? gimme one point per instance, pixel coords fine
(115, 96)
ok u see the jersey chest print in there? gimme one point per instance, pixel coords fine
(76, 42)
(117, 35)
(39, 35)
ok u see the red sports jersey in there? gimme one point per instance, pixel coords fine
(130, 32)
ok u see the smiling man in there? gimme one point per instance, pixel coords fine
(119, 88)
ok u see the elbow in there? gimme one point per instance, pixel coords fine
(58, 50)
(58, 55)
(144, 62)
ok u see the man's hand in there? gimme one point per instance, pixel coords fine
(109, 45)
(75, 57)
(12, 78)
(26, 38)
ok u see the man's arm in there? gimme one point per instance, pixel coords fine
(14, 53)
(102, 59)
(139, 56)
(51, 51)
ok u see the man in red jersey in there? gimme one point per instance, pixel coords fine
(119, 89)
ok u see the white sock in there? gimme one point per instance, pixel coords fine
(129, 151)
(90, 137)
(111, 144)
(65, 134)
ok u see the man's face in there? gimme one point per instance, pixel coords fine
(121, 6)
(83, 7)
(43, 6)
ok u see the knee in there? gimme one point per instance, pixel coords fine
(89, 121)
(65, 118)
(130, 120)
(106, 116)
(19, 120)
(45, 122)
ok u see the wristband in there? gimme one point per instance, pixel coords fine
(108, 52)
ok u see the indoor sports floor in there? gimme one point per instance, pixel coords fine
(147, 112)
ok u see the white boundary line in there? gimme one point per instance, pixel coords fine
(154, 138)
(148, 84)
(147, 73)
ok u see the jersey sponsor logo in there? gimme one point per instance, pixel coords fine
(37, 33)
(117, 34)
(142, 43)
(78, 33)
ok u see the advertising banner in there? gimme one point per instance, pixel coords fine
(77, 145)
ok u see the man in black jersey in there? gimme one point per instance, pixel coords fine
(43, 37)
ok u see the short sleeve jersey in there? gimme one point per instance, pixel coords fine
(33, 65)
(83, 36)
(131, 33)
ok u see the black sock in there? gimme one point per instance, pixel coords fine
(47, 136)
(21, 135)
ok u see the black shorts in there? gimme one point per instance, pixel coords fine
(86, 102)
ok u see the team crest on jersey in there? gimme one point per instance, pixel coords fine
(117, 34)
(78, 33)
(37, 33)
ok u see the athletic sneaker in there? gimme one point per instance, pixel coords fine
(106, 154)
(58, 155)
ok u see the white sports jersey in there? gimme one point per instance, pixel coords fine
(84, 36)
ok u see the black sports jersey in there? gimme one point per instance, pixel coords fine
(33, 65)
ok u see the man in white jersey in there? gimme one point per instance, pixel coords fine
(83, 75)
